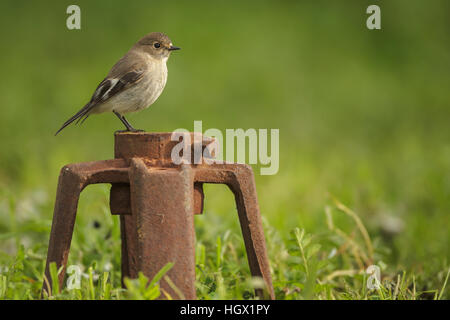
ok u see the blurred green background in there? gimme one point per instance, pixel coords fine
(363, 115)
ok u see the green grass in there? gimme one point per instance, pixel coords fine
(327, 265)
(364, 141)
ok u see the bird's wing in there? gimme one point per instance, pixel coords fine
(126, 73)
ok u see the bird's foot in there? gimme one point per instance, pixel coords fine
(130, 130)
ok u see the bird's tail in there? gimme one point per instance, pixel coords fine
(80, 115)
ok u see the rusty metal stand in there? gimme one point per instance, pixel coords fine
(156, 201)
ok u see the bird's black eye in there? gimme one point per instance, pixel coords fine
(157, 45)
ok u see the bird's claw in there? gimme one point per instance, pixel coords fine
(129, 130)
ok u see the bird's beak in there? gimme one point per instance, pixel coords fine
(172, 48)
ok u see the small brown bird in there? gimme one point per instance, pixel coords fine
(134, 82)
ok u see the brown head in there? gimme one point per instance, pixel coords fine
(157, 44)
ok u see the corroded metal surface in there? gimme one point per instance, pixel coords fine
(156, 201)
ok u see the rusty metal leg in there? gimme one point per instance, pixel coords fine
(72, 180)
(120, 204)
(240, 179)
(70, 185)
(129, 247)
(199, 197)
(162, 202)
(250, 219)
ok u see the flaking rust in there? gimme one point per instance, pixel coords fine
(157, 201)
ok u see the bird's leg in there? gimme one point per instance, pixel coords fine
(130, 126)
(126, 123)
